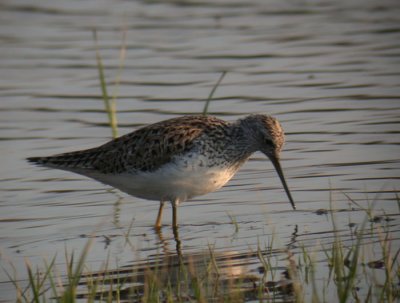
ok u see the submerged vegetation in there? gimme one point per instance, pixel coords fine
(337, 271)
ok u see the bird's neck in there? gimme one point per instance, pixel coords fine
(243, 144)
(245, 135)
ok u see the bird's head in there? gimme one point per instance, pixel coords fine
(266, 134)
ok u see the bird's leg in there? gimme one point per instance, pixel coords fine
(174, 214)
(159, 216)
(175, 228)
(177, 242)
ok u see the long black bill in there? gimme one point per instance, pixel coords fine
(277, 165)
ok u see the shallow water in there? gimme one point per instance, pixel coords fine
(328, 70)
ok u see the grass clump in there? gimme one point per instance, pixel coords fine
(43, 285)
(341, 270)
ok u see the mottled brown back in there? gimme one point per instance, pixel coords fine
(145, 149)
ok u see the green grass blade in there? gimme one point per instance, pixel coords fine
(19, 292)
(108, 105)
(113, 104)
(205, 110)
(49, 268)
(74, 275)
(33, 285)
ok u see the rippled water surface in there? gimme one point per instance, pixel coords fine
(328, 70)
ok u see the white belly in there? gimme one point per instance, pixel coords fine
(171, 182)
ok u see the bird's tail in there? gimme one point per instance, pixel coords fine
(74, 160)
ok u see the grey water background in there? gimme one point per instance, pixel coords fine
(328, 70)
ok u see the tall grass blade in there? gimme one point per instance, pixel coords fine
(19, 292)
(205, 110)
(122, 56)
(34, 286)
(74, 276)
(110, 108)
(52, 283)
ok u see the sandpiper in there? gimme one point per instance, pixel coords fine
(177, 159)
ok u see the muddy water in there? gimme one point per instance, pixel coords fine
(328, 70)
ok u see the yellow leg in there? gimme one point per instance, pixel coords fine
(159, 216)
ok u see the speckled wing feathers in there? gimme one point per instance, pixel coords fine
(146, 149)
